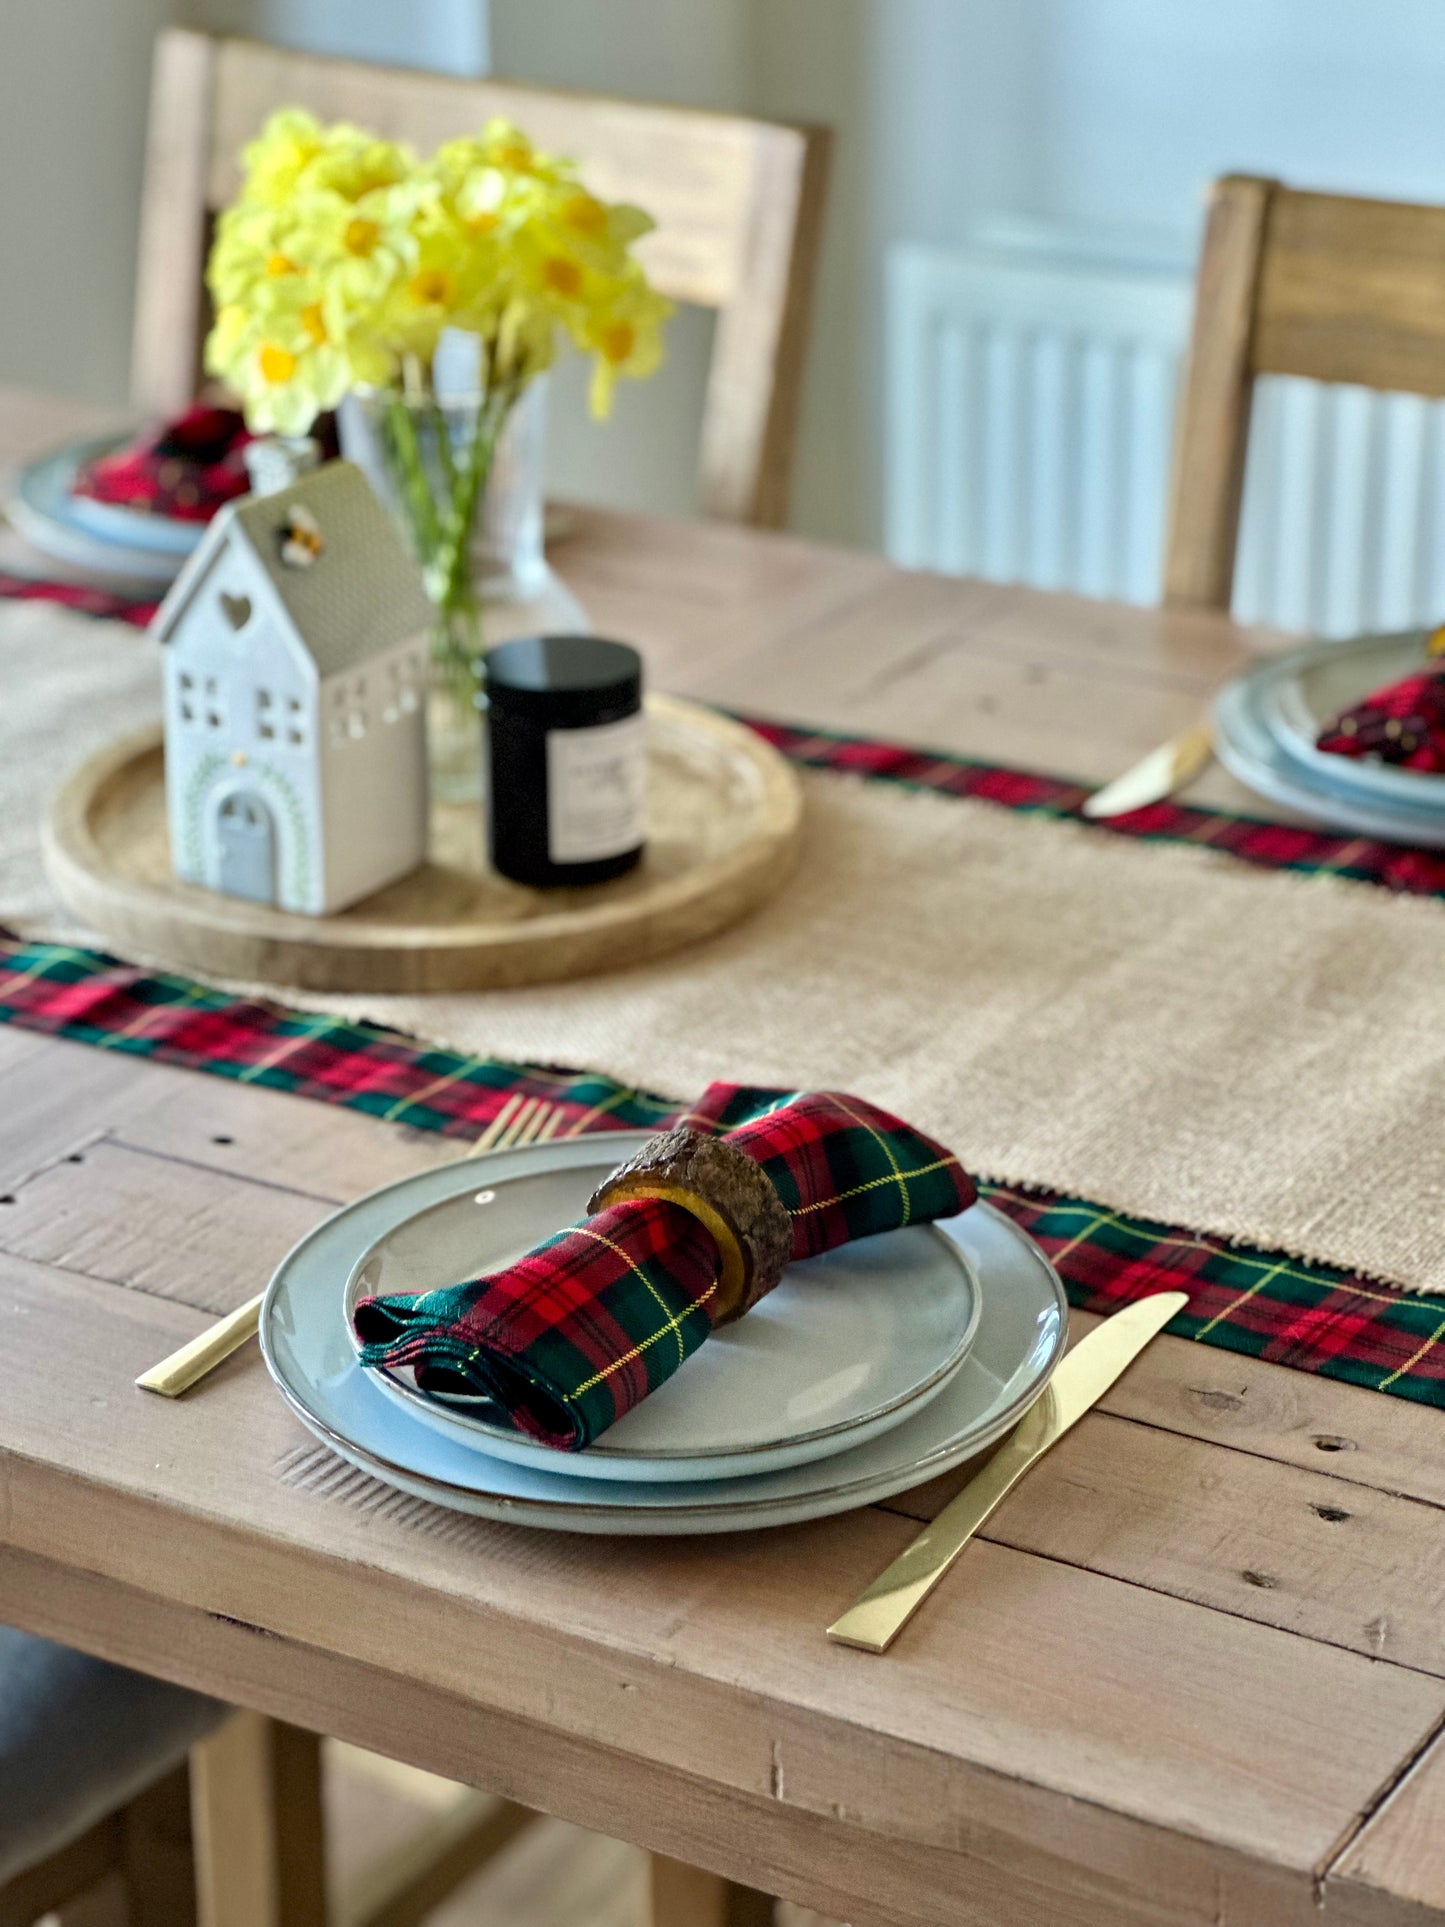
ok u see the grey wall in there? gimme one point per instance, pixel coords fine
(948, 112)
(1105, 113)
(74, 79)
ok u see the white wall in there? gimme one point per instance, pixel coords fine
(448, 35)
(1106, 112)
(1111, 113)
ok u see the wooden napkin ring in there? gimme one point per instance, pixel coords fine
(725, 1190)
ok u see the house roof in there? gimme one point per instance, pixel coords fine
(363, 592)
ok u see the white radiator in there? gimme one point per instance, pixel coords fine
(1029, 414)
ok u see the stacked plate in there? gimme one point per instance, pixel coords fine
(106, 540)
(865, 1372)
(1266, 725)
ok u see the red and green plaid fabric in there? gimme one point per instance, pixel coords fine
(1403, 724)
(1271, 846)
(1263, 1303)
(185, 469)
(581, 1329)
(74, 595)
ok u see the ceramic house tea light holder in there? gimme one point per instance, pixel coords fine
(294, 648)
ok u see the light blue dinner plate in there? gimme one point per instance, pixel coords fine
(1248, 741)
(847, 1345)
(306, 1339)
(1302, 693)
(138, 547)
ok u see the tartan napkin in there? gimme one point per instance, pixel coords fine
(582, 1328)
(1403, 724)
(186, 469)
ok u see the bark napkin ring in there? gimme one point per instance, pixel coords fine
(728, 1193)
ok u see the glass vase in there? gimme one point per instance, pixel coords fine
(481, 558)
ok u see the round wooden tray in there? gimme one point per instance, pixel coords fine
(723, 815)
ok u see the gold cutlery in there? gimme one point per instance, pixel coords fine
(1157, 775)
(521, 1120)
(877, 1616)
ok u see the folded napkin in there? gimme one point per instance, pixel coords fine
(582, 1328)
(186, 469)
(1403, 724)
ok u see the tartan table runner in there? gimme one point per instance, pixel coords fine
(1313, 1318)
(102, 603)
(1309, 1316)
(584, 1327)
(1271, 846)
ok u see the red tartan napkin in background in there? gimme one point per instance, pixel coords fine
(186, 469)
(1402, 724)
(581, 1329)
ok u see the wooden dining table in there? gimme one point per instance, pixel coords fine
(1191, 1675)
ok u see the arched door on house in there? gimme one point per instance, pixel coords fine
(245, 847)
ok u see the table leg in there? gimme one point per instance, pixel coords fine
(684, 1896)
(157, 1867)
(260, 1845)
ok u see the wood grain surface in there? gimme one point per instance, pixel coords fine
(1190, 1675)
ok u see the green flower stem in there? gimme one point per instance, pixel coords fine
(442, 495)
(408, 468)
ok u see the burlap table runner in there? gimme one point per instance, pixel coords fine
(1159, 1028)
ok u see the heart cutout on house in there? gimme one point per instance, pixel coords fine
(237, 608)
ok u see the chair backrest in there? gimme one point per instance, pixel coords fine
(738, 205)
(1323, 285)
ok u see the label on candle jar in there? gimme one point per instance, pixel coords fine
(596, 790)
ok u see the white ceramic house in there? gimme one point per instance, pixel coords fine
(294, 644)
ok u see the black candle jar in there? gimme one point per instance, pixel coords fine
(568, 759)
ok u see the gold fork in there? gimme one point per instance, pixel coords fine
(521, 1120)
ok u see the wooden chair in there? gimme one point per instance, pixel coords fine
(738, 205)
(132, 1869)
(1291, 283)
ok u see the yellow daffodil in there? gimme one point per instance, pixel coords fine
(282, 367)
(625, 337)
(344, 258)
(276, 159)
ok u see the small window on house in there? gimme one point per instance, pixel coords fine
(296, 736)
(188, 715)
(265, 715)
(210, 685)
(187, 681)
(213, 719)
(293, 705)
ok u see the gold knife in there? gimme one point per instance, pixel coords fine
(182, 1369)
(877, 1616)
(1161, 772)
